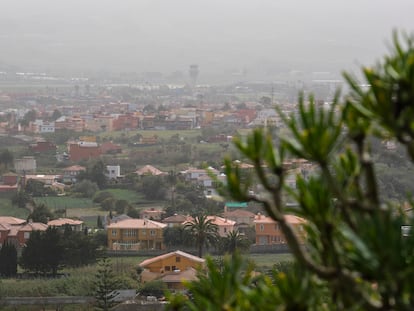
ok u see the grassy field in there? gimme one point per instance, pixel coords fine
(6, 209)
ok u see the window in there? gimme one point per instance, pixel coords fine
(27, 235)
(167, 268)
(261, 227)
(144, 232)
(173, 268)
(277, 228)
(177, 259)
(114, 232)
(225, 230)
(152, 232)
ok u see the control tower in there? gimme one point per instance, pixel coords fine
(193, 72)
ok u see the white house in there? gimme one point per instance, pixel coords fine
(113, 171)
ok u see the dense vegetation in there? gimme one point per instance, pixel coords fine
(360, 246)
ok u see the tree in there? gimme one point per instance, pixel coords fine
(85, 188)
(56, 114)
(105, 285)
(360, 248)
(41, 213)
(20, 199)
(6, 158)
(234, 241)
(8, 260)
(154, 187)
(79, 249)
(43, 252)
(203, 231)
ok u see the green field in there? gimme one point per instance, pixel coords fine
(6, 209)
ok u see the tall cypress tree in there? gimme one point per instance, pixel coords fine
(8, 260)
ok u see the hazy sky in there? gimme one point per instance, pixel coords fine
(218, 35)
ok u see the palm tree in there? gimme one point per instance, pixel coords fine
(234, 241)
(204, 232)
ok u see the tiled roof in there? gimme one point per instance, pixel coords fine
(238, 213)
(33, 226)
(162, 257)
(136, 223)
(189, 274)
(291, 219)
(4, 227)
(149, 170)
(177, 219)
(64, 221)
(220, 221)
(11, 220)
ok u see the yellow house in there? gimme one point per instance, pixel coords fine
(172, 268)
(135, 234)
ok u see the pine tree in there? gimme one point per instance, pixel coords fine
(105, 285)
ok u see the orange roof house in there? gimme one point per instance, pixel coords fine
(268, 231)
(149, 170)
(177, 220)
(135, 234)
(172, 268)
(225, 226)
(75, 225)
(152, 213)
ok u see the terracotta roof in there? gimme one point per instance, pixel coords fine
(220, 221)
(177, 219)
(75, 168)
(179, 253)
(137, 223)
(149, 170)
(33, 226)
(11, 220)
(4, 227)
(292, 219)
(64, 221)
(189, 274)
(238, 213)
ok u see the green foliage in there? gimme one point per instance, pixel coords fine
(43, 252)
(85, 188)
(154, 187)
(102, 196)
(20, 199)
(357, 255)
(105, 285)
(6, 158)
(41, 213)
(176, 237)
(8, 260)
(203, 232)
(79, 249)
(155, 288)
(95, 172)
(234, 241)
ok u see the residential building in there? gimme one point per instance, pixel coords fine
(135, 234)
(113, 171)
(62, 223)
(42, 146)
(149, 170)
(83, 151)
(110, 148)
(172, 268)
(71, 173)
(75, 124)
(268, 231)
(152, 213)
(224, 225)
(177, 220)
(25, 165)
